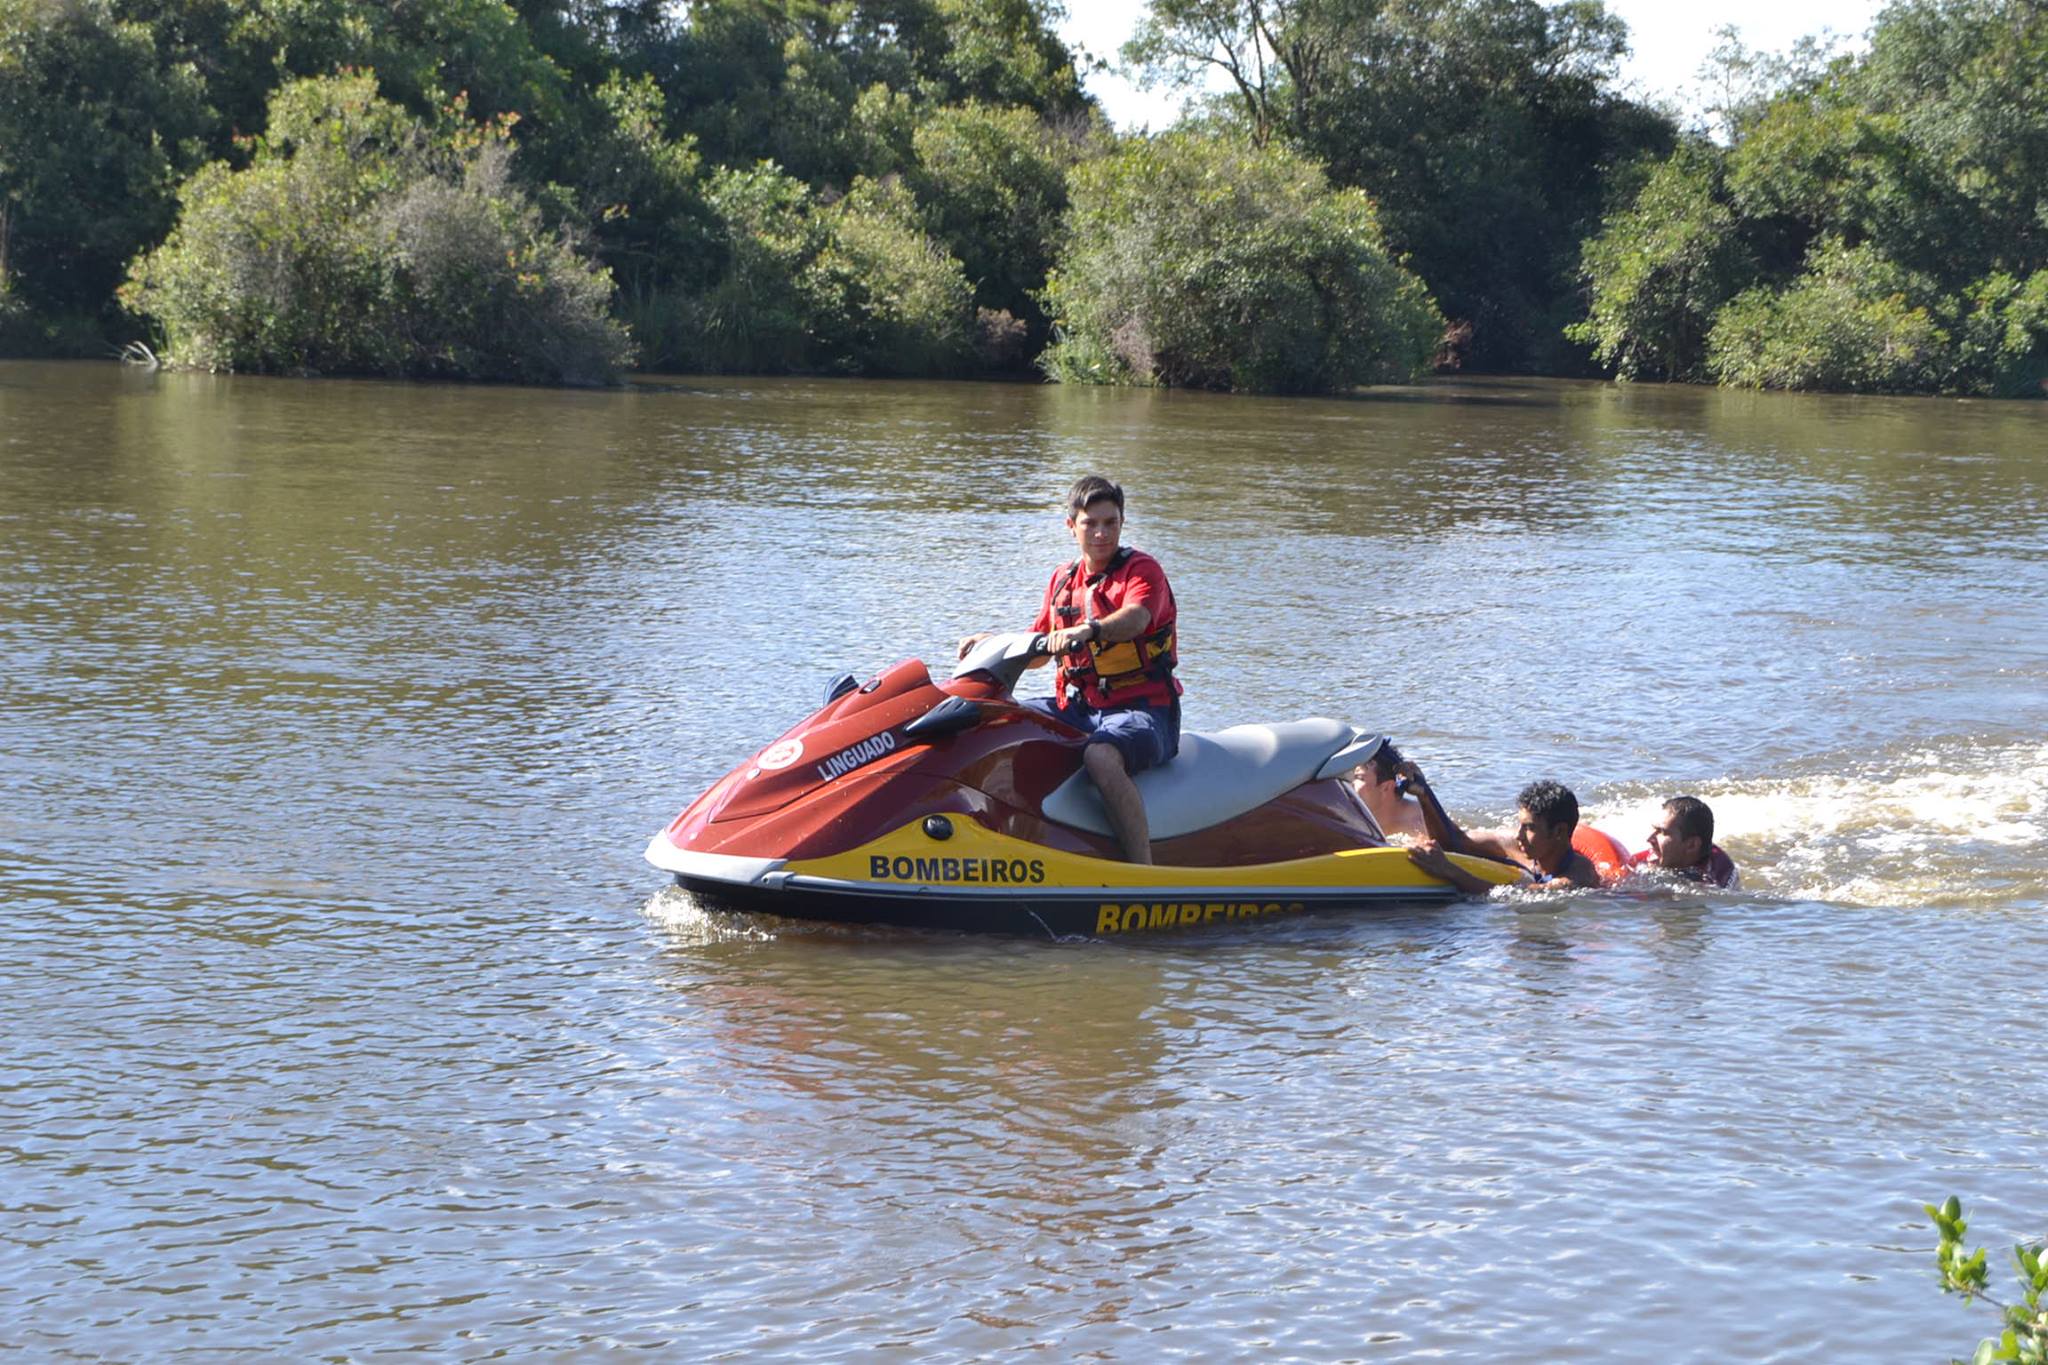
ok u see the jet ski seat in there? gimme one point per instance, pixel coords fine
(1224, 774)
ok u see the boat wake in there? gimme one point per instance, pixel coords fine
(1950, 823)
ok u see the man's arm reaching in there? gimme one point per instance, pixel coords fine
(1429, 856)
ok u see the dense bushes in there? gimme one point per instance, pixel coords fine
(913, 186)
(1486, 131)
(1660, 272)
(1217, 264)
(358, 241)
(2002, 342)
(993, 183)
(912, 134)
(1881, 225)
(888, 298)
(1847, 323)
(95, 132)
(850, 286)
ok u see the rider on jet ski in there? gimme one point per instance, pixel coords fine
(1108, 617)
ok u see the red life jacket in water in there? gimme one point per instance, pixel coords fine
(1716, 869)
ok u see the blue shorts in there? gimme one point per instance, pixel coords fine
(1146, 736)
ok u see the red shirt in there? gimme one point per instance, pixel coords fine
(1717, 870)
(1137, 580)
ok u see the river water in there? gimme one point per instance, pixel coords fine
(340, 1014)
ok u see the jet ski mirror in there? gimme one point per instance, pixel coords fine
(1002, 657)
(839, 687)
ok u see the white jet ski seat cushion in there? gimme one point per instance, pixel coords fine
(1223, 774)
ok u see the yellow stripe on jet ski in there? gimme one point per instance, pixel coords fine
(982, 861)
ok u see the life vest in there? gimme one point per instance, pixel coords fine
(1602, 850)
(1109, 667)
(1716, 869)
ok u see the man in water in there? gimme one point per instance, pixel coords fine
(1378, 785)
(1683, 842)
(1108, 617)
(1546, 814)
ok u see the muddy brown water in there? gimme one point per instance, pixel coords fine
(341, 1015)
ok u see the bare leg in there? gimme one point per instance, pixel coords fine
(1121, 800)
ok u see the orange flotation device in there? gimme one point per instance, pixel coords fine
(1603, 851)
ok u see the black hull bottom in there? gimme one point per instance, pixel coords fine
(1084, 914)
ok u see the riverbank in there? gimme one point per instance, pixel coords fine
(768, 189)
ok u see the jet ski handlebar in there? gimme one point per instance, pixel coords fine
(1003, 657)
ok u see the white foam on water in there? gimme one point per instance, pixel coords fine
(675, 911)
(1946, 823)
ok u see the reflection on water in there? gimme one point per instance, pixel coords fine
(340, 1014)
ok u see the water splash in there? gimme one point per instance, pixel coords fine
(677, 912)
(1939, 823)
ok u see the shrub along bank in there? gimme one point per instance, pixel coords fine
(1881, 225)
(1213, 263)
(359, 240)
(547, 190)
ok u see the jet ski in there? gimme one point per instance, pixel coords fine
(950, 805)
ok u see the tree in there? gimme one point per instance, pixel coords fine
(1215, 263)
(2002, 341)
(853, 285)
(885, 298)
(1660, 270)
(783, 80)
(94, 133)
(1002, 52)
(641, 189)
(1738, 84)
(1890, 214)
(993, 182)
(361, 240)
(753, 316)
(1483, 129)
(1853, 321)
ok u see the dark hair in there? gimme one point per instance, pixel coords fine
(1091, 488)
(1692, 818)
(1385, 760)
(1552, 803)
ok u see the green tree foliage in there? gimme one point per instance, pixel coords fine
(1660, 270)
(851, 286)
(426, 52)
(2002, 340)
(2024, 1339)
(786, 80)
(993, 180)
(106, 105)
(94, 134)
(1739, 84)
(1484, 130)
(1962, 87)
(1002, 52)
(1893, 212)
(1850, 322)
(910, 133)
(887, 299)
(1215, 263)
(640, 188)
(359, 240)
(755, 316)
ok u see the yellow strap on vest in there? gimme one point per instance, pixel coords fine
(1129, 662)
(1112, 667)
